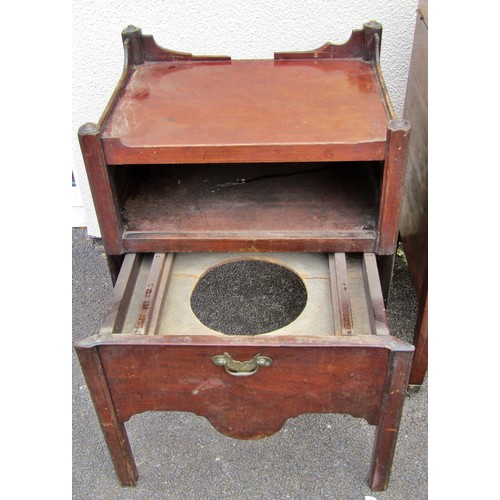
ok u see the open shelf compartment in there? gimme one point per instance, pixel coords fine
(243, 207)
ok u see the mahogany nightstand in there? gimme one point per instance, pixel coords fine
(295, 162)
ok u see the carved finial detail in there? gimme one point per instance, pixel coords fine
(374, 25)
(134, 36)
(89, 128)
(399, 124)
(130, 29)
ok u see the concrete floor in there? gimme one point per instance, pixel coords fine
(180, 456)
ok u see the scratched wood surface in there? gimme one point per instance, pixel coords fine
(180, 109)
(145, 366)
(241, 204)
(413, 223)
(300, 380)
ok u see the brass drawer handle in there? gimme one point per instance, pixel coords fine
(241, 368)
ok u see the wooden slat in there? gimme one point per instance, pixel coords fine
(118, 153)
(256, 341)
(122, 293)
(374, 296)
(155, 322)
(150, 294)
(364, 241)
(337, 323)
(340, 294)
(359, 306)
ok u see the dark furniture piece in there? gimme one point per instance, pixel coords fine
(207, 160)
(414, 208)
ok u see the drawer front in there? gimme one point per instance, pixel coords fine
(319, 379)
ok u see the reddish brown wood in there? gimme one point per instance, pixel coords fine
(397, 138)
(112, 427)
(262, 108)
(253, 207)
(250, 242)
(119, 154)
(352, 48)
(360, 44)
(153, 52)
(163, 112)
(127, 71)
(103, 195)
(363, 376)
(414, 207)
(374, 295)
(207, 154)
(131, 373)
(300, 380)
(390, 417)
(420, 337)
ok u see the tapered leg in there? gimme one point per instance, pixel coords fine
(419, 367)
(114, 431)
(387, 430)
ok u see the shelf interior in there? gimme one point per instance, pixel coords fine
(248, 200)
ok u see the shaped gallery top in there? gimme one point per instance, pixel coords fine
(329, 104)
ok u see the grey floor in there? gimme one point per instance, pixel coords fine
(179, 455)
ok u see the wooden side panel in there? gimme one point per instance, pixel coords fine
(414, 210)
(300, 380)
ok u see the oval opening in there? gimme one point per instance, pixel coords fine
(248, 297)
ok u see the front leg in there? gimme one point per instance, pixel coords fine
(113, 429)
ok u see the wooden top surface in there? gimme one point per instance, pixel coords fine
(246, 103)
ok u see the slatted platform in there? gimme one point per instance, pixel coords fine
(153, 294)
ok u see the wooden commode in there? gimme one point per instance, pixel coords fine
(290, 166)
